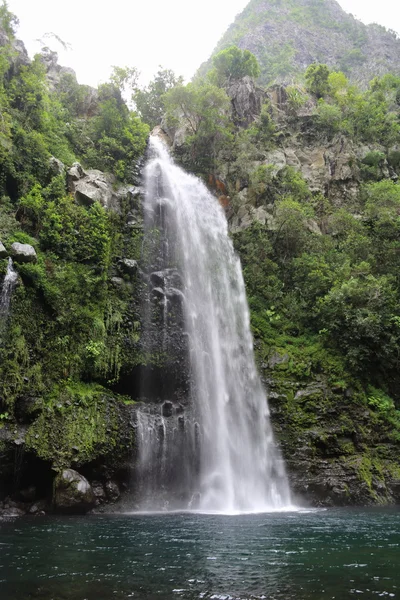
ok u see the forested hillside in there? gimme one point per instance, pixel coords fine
(287, 36)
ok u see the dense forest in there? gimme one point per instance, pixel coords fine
(308, 175)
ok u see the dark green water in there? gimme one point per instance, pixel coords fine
(304, 556)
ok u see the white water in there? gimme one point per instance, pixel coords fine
(240, 467)
(7, 288)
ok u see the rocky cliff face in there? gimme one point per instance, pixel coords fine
(338, 448)
(288, 35)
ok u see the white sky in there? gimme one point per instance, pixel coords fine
(178, 34)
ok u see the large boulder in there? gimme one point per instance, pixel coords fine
(3, 251)
(23, 253)
(93, 186)
(72, 493)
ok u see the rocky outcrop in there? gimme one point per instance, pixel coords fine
(287, 37)
(246, 100)
(23, 253)
(92, 186)
(54, 71)
(72, 493)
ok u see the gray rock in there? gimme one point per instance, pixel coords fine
(23, 253)
(277, 159)
(3, 251)
(246, 100)
(117, 281)
(93, 186)
(13, 512)
(128, 266)
(278, 359)
(158, 278)
(38, 508)
(74, 174)
(112, 491)
(99, 492)
(158, 292)
(56, 166)
(72, 493)
(175, 296)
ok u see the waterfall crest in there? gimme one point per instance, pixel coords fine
(226, 458)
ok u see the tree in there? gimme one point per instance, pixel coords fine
(149, 101)
(204, 110)
(317, 79)
(234, 63)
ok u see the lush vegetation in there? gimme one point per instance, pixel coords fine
(321, 267)
(71, 330)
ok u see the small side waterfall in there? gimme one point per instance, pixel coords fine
(7, 289)
(219, 454)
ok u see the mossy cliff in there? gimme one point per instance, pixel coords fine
(308, 176)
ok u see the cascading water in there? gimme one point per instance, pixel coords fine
(226, 460)
(8, 286)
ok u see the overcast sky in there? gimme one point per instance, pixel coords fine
(178, 34)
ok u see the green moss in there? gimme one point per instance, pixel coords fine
(77, 424)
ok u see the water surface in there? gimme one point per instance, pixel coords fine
(279, 556)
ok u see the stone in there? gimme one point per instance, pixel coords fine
(246, 100)
(13, 512)
(159, 293)
(93, 186)
(74, 174)
(56, 166)
(99, 492)
(278, 359)
(167, 409)
(128, 266)
(117, 282)
(23, 253)
(38, 508)
(158, 278)
(175, 296)
(3, 251)
(112, 491)
(73, 493)
(277, 160)
(159, 132)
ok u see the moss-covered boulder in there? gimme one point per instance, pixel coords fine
(72, 493)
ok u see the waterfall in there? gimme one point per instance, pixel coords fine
(220, 450)
(7, 289)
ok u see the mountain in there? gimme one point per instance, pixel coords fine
(288, 35)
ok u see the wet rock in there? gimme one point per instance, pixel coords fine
(3, 251)
(38, 508)
(99, 492)
(175, 296)
(158, 278)
(23, 253)
(12, 512)
(167, 409)
(158, 293)
(72, 493)
(112, 491)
